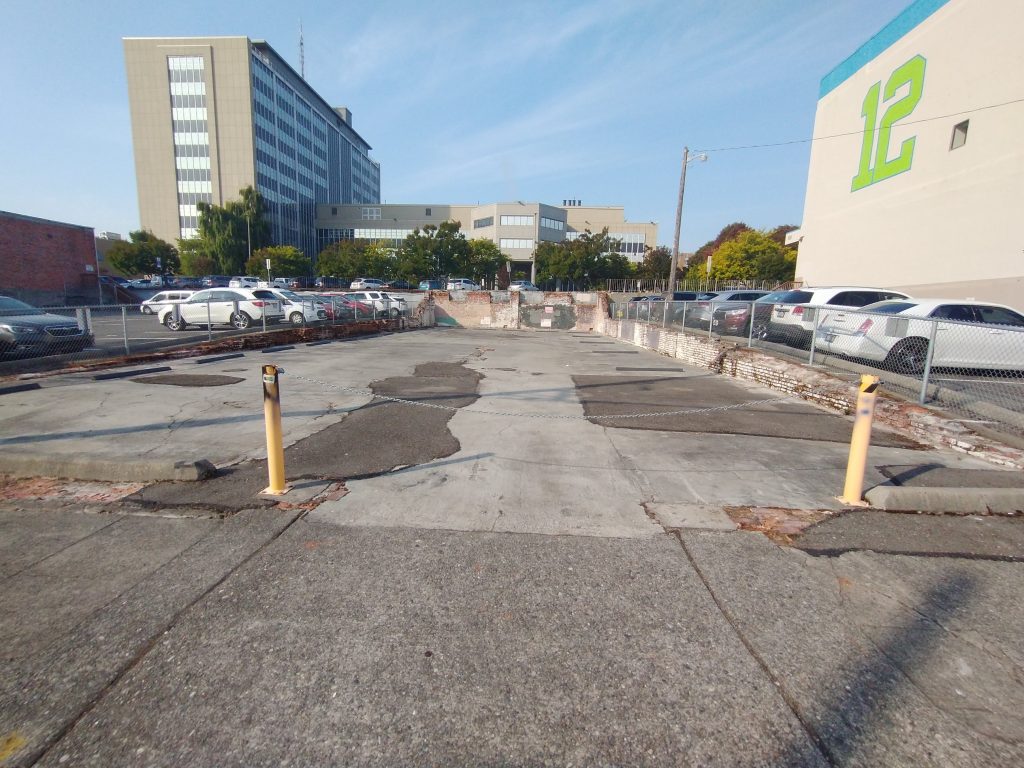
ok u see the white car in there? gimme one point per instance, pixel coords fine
(382, 302)
(794, 313)
(300, 309)
(151, 305)
(968, 334)
(522, 285)
(462, 284)
(366, 284)
(216, 306)
(244, 282)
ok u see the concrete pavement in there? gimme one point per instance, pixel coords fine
(492, 583)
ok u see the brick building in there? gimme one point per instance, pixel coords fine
(46, 262)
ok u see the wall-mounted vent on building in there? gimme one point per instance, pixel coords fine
(959, 135)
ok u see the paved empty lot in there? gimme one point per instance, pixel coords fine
(495, 578)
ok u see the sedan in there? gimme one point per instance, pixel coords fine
(967, 334)
(300, 309)
(237, 307)
(26, 330)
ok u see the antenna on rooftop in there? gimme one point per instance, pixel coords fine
(302, 53)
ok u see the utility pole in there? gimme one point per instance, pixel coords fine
(679, 219)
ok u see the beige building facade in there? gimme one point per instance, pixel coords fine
(516, 228)
(916, 178)
(212, 115)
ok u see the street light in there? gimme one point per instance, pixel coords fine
(687, 159)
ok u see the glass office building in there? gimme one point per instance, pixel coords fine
(212, 115)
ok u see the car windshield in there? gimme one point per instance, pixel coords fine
(889, 307)
(290, 295)
(264, 294)
(787, 297)
(9, 306)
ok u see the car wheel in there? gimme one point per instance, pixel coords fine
(909, 356)
(241, 321)
(297, 318)
(394, 312)
(146, 310)
(174, 323)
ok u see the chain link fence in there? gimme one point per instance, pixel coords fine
(972, 369)
(46, 338)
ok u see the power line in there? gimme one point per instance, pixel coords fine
(862, 132)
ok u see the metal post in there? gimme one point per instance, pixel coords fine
(750, 325)
(853, 490)
(124, 329)
(928, 364)
(814, 335)
(679, 219)
(711, 316)
(209, 321)
(272, 419)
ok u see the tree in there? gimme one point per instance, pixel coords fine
(344, 259)
(752, 255)
(195, 259)
(656, 264)
(586, 258)
(228, 231)
(697, 265)
(285, 261)
(143, 253)
(436, 251)
(486, 259)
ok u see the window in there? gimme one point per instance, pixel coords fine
(999, 316)
(959, 135)
(479, 223)
(334, 211)
(427, 213)
(517, 221)
(371, 214)
(552, 223)
(511, 242)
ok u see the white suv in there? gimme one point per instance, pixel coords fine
(366, 284)
(244, 282)
(216, 306)
(462, 284)
(794, 313)
(384, 303)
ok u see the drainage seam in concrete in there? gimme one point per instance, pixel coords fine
(154, 638)
(115, 521)
(791, 702)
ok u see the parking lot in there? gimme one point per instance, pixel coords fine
(529, 554)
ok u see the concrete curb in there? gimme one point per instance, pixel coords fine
(966, 501)
(125, 470)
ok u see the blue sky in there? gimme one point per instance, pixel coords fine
(464, 101)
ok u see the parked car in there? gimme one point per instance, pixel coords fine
(383, 303)
(726, 312)
(244, 282)
(398, 285)
(216, 306)
(968, 334)
(146, 282)
(299, 309)
(216, 281)
(462, 284)
(793, 313)
(522, 285)
(285, 283)
(114, 280)
(432, 285)
(151, 305)
(322, 283)
(340, 307)
(366, 284)
(27, 330)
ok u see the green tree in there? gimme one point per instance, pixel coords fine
(656, 264)
(752, 255)
(195, 260)
(345, 259)
(228, 231)
(436, 251)
(585, 259)
(285, 261)
(379, 260)
(143, 253)
(697, 265)
(486, 259)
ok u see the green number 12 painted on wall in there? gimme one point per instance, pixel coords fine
(911, 73)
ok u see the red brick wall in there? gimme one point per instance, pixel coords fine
(45, 261)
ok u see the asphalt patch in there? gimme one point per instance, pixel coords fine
(627, 395)
(987, 537)
(188, 380)
(372, 440)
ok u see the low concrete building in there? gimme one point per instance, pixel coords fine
(46, 262)
(517, 228)
(917, 169)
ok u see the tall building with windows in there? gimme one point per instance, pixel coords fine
(211, 115)
(516, 228)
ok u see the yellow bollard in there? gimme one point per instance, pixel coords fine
(272, 416)
(853, 491)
